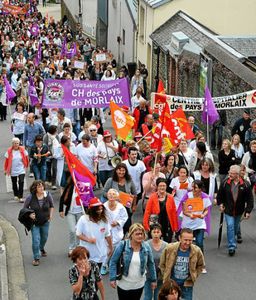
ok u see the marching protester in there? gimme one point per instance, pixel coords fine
(242, 125)
(157, 246)
(161, 209)
(182, 262)
(84, 276)
(235, 200)
(195, 208)
(117, 217)
(16, 162)
(137, 261)
(227, 158)
(42, 203)
(122, 182)
(93, 231)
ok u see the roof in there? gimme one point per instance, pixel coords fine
(246, 45)
(229, 51)
(156, 3)
(232, 64)
(162, 35)
(133, 9)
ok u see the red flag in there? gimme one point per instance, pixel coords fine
(185, 128)
(81, 176)
(158, 131)
(160, 88)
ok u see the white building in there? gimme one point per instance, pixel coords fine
(122, 30)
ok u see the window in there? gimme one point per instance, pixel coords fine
(123, 38)
(142, 23)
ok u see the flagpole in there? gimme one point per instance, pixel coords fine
(207, 128)
(144, 136)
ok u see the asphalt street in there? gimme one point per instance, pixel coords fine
(227, 278)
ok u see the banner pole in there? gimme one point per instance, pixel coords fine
(146, 135)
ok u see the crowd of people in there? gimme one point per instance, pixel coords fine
(164, 254)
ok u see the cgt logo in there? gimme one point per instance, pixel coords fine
(54, 92)
(254, 98)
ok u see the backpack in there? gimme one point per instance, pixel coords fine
(25, 220)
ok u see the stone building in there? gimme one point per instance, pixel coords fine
(187, 55)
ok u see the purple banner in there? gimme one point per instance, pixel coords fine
(84, 188)
(35, 29)
(85, 93)
(32, 92)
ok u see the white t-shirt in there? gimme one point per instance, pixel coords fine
(187, 156)
(103, 150)
(180, 191)
(99, 231)
(135, 171)
(134, 280)
(87, 155)
(119, 215)
(196, 223)
(17, 163)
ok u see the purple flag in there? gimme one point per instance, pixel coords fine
(10, 94)
(209, 109)
(84, 187)
(38, 56)
(34, 30)
(32, 92)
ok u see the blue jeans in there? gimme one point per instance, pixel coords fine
(199, 236)
(149, 293)
(232, 228)
(77, 128)
(39, 238)
(219, 129)
(39, 171)
(186, 292)
(72, 220)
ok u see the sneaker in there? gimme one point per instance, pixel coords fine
(36, 262)
(31, 175)
(204, 271)
(54, 187)
(231, 252)
(43, 253)
(104, 270)
(16, 198)
(21, 200)
(239, 239)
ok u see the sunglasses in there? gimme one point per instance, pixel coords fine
(92, 129)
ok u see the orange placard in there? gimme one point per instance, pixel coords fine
(183, 185)
(194, 205)
(125, 199)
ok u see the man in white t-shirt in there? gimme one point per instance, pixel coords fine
(136, 168)
(87, 153)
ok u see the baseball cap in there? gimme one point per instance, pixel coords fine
(95, 202)
(107, 133)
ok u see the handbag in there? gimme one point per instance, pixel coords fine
(120, 265)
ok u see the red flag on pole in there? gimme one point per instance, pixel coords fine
(83, 179)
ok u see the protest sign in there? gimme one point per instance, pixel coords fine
(242, 100)
(85, 93)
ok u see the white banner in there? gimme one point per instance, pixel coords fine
(243, 100)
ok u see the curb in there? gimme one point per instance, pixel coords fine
(3, 269)
(15, 286)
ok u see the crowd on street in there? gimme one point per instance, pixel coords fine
(162, 256)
